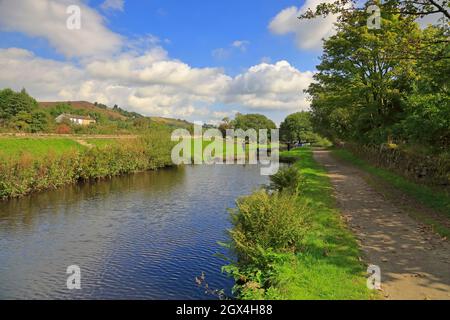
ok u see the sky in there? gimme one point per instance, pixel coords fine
(199, 60)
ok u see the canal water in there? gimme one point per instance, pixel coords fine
(140, 236)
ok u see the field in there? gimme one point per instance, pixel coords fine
(36, 147)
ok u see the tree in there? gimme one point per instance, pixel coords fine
(362, 80)
(297, 127)
(369, 89)
(252, 121)
(405, 8)
(39, 121)
(12, 103)
(225, 125)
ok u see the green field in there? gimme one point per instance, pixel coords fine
(36, 147)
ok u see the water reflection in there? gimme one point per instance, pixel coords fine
(143, 236)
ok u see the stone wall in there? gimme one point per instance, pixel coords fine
(423, 168)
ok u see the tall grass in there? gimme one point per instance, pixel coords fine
(28, 173)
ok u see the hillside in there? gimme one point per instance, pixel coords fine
(172, 122)
(86, 107)
(114, 114)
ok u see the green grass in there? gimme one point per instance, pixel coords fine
(436, 199)
(36, 147)
(329, 267)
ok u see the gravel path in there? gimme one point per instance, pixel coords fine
(414, 262)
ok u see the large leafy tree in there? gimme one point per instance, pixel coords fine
(389, 84)
(362, 78)
(297, 127)
(252, 121)
(405, 8)
(12, 103)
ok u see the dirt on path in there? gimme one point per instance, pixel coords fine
(414, 262)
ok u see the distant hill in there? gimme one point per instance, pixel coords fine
(115, 113)
(177, 123)
(88, 108)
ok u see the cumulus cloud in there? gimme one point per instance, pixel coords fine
(113, 5)
(266, 86)
(308, 33)
(137, 74)
(155, 84)
(48, 19)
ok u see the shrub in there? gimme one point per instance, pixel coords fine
(265, 225)
(63, 129)
(286, 179)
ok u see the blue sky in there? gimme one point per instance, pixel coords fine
(197, 59)
(196, 28)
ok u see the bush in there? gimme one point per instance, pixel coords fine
(265, 225)
(63, 129)
(286, 179)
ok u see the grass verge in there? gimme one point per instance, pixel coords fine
(393, 186)
(327, 266)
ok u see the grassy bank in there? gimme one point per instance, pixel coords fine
(319, 259)
(29, 166)
(36, 147)
(390, 184)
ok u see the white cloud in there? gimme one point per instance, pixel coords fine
(155, 84)
(241, 44)
(137, 74)
(266, 86)
(308, 33)
(225, 53)
(47, 19)
(113, 5)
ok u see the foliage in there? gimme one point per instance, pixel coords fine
(265, 224)
(286, 179)
(63, 128)
(14, 103)
(57, 162)
(371, 89)
(252, 121)
(405, 8)
(297, 127)
(323, 261)
(21, 113)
